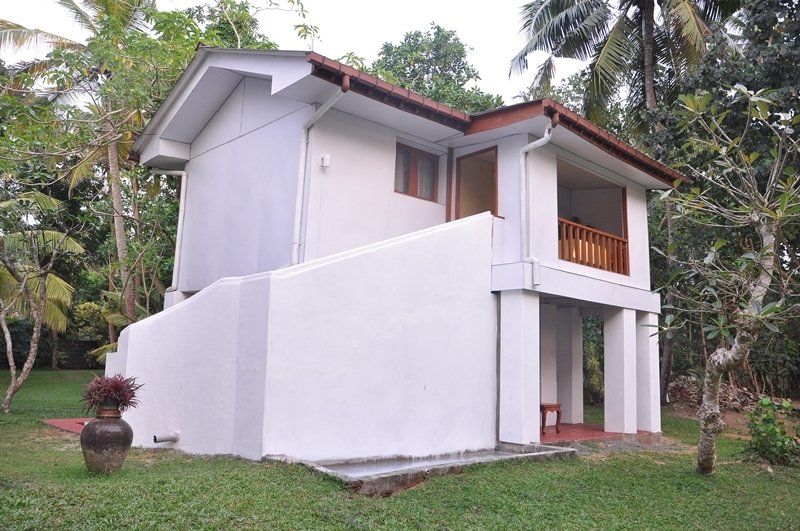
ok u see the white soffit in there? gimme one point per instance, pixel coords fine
(568, 141)
(201, 104)
(207, 83)
(394, 118)
(311, 90)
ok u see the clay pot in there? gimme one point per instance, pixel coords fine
(105, 441)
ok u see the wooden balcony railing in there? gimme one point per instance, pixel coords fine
(591, 247)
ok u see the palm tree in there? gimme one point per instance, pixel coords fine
(626, 45)
(108, 19)
(29, 248)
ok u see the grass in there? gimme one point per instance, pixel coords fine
(43, 484)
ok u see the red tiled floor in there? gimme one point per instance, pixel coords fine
(71, 425)
(577, 432)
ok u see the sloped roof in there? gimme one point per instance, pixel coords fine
(407, 100)
(232, 62)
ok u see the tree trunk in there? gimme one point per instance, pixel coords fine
(128, 305)
(112, 331)
(38, 308)
(711, 422)
(12, 367)
(669, 340)
(726, 359)
(53, 350)
(648, 45)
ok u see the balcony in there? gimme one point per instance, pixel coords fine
(592, 219)
(591, 247)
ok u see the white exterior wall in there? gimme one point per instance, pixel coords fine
(507, 189)
(322, 361)
(386, 351)
(241, 187)
(353, 202)
(543, 208)
(201, 363)
(600, 208)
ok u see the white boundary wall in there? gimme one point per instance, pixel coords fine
(389, 349)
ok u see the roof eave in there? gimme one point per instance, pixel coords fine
(385, 92)
(581, 127)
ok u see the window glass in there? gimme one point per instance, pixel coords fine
(402, 166)
(427, 177)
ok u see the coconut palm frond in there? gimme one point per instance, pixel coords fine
(610, 64)
(51, 238)
(84, 15)
(58, 290)
(48, 241)
(42, 202)
(85, 168)
(8, 286)
(55, 317)
(544, 75)
(687, 18)
(117, 319)
(36, 68)
(718, 10)
(58, 297)
(557, 27)
(592, 31)
(681, 55)
(101, 352)
(14, 36)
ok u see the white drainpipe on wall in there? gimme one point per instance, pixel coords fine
(524, 214)
(181, 213)
(303, 183)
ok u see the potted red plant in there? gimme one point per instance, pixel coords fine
(105, 441)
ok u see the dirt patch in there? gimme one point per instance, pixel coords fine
(601, 449)
(736, 421)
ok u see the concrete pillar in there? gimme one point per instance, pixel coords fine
(619, 403)
(519, 367)
(548, 376)
(648, 398)
(569, 360)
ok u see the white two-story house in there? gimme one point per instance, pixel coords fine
(362, 272)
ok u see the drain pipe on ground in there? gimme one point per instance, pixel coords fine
(172, 436)
(301, 196)
(524, 214)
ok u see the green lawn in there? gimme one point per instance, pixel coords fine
(43, 484)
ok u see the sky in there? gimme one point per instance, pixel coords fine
(491, 30)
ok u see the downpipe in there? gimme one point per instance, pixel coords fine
(303, 183)
(524, 213)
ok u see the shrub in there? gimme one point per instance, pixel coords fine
(111, 391)
(88, 323)
(769, 436)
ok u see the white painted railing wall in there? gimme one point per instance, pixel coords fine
(370, 352)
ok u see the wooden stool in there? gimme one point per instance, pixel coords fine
(556, 408)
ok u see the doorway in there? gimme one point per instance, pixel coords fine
(476, 183)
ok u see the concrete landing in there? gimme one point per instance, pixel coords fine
(384, 477)
(70, 425)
